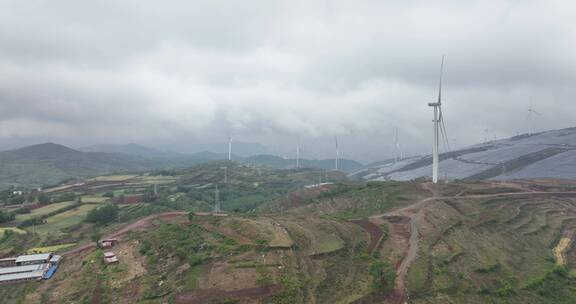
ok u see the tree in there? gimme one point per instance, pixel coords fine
(191, 216)
(43, 199)
(96, 236)
(148, 196)
(6, 216)
(17, 200)
(103, 215)
(109, 194)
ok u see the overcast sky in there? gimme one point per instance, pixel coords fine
(176, 74)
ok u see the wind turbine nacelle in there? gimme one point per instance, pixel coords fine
(434, 104)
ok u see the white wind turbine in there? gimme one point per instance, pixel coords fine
(531, 113)
(439, 127)
(486, 135)
(399, 153)
(229, 148)
(337, 153)
(298, 155)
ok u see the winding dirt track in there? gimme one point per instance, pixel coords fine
(415, 213)
(374, 230)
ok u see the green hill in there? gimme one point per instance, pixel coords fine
(50, 163)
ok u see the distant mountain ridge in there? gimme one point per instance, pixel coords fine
(132, 149)
(269, 160)
(550, 154)
(50, 163)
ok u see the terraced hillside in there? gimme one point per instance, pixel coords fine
(281, 259)
(548, 154)
(500, 247)
(377, 242)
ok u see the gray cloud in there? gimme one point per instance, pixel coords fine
(183, 72)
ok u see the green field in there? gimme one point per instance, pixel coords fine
(157, 179)
(42, 211)
(64, 220)
(113, 178)
(90, 199)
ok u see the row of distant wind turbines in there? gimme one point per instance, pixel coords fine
(298, 150)
(439, 131)
(399, 153)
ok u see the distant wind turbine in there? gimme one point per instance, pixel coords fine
(229, 148)
(439, 127)
(337, 153)
(399, 153)
(298, 155)
(531, 113)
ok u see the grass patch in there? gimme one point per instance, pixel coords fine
(46, 249)
(43, 211)
(417, 278)
(56, 223)
(93, 199)
(193, 279)
(13, 229)
(113, 178)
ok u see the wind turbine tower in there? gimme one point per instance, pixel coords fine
(438, 126)
(216, 199)
(337, 154)
(399, 153)
(229, 148)
(298, 156)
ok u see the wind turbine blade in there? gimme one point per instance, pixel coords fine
(440, 84)
(443, 131)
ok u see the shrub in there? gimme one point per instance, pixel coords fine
(22, 210)
(383, 276)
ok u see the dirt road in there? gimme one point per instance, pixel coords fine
(373, 230)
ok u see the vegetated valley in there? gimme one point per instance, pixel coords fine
(284, 238)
